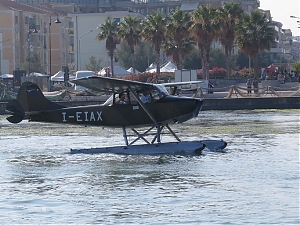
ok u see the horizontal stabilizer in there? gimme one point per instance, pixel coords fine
(15, 109)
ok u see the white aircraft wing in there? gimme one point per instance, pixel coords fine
(111, 85)
(176, 84)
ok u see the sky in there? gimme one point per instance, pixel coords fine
(281, 10)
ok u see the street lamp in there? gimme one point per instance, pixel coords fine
(50, 55)
(79, 47)
(28, 39)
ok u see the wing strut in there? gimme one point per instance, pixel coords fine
(142, 135)
(125, 136)
(172, 132)
(142, 105)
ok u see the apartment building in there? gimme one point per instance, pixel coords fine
(26, 29)
(87, 15)
(143, 6)
(85, 31)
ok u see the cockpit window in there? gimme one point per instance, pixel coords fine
(109, 101)
(157, 92)
(161, 90)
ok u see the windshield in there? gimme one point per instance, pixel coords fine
(158, 91)
(161, 90)
(109, 101)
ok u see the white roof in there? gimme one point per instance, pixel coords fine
(7, 76)
(130, 70)
(59, 76)
(188, 6)
(168, 68)
(151, 68)
(38, 75)
(118, 71)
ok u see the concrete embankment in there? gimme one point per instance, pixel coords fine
(217, 103)
(251, 103)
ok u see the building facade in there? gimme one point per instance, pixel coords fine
(25, 29)
(74, 41)
(141, 6)
(85, 31)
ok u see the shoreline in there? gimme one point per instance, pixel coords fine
(287, 96)
(215, 103)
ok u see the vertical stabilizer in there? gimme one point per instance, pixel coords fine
(29, 99)
(32, 98)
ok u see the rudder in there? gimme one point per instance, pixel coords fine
(32, 98)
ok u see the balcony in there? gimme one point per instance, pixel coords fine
(277, 50)
(71, 49)
(70, 31)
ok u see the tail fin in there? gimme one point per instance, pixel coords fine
(30, 98)
(14, 107)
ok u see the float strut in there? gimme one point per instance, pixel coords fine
(125, 136)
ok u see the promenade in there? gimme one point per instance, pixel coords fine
(290, 89)
(234, 97)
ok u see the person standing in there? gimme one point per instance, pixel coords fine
(249, 87)
(255, 85)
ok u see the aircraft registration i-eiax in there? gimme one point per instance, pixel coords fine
(131, 105)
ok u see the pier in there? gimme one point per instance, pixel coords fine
(232, 97)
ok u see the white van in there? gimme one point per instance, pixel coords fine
(81, 74)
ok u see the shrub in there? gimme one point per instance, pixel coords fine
(247, 73)
(146, 77)
(215, 72)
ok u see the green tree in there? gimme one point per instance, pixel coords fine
(230, 14)
(179, 41)
(109, 32)
(253, 35)
(153, 31)
(144, 55)
(296, 67)
(129, 32)
(33, 63)
(205, 29)
(94, 64)
(240, 60)
(193, 60)
(264, 59)
(217, 58)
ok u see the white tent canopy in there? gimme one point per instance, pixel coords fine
(169, 67)
(34, 74)
(58, 77)
(118, 71)
(6, 76)
(151, 68)
(130, 70)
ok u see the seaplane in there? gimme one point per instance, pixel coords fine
(131, 105)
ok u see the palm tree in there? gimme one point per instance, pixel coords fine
(230, 14)
(179, 41)
(153, 31)
(254, 34)
(205, 29)
(110, 33)
(178, 53)
(129, 31)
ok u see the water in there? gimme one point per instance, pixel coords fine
(256, 181)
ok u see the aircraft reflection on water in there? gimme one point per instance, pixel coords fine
(161, 110)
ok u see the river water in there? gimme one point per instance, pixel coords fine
(254, 181)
